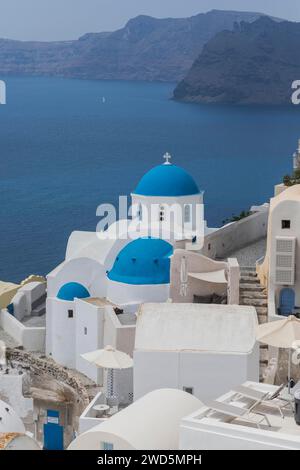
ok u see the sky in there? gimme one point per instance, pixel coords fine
(69, 19)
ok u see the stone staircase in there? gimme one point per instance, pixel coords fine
(39, 306)
(253, 294)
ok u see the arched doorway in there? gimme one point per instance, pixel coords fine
(286, 301)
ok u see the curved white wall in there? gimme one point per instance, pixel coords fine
(85, 271)
(149, 423)
(10, 421)
(122, 294)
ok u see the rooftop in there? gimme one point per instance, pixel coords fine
(167, 180)
(197, 327)
(152, 422)
(281, 428)
(143, 261)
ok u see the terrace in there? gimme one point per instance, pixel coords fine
(211, 430)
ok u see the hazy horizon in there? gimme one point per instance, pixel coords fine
(54, 20)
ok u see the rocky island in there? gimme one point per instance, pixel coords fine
(255, 63)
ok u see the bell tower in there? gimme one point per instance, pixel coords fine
(296, 158)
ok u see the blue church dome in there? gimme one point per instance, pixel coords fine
(72, 290)
(143, 261)
(167, 180)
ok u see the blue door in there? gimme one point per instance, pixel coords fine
(287, 302)
(53, 432)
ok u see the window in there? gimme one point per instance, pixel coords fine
(70, 314)
(189, 390)
(108, 446)
(285, 224)
(85, 330)
(187, 213)
(161, 213)
(140, 212)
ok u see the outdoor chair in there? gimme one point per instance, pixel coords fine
(262, 398)
(234, 412)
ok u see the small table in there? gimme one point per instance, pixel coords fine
(100, 409)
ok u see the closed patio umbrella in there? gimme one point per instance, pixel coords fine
(183, 277)
(109, 358)
(280, 334)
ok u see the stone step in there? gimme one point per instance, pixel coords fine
(39, 310)
(252, 295)
(254, 287)
(262, 311)
(249, 280)
(262, 370)
(248, 273)
(248, 268)
(262, 319)
(264, 356)
(254, 302)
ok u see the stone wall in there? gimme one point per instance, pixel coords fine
(237, 235)
(47, 366)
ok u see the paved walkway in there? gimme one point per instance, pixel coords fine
(248, 255)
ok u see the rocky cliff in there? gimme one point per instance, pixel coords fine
(145, 49)
(255, 63)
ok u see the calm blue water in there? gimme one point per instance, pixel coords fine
(63, 152)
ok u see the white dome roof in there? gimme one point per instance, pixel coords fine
(9, 420)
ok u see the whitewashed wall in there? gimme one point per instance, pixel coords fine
(177, 209)
(195, 436)
(125, 294)
(285, 210)
(11, 386)
(61, 344)
(209, 374)
(232, 237)
(85, 271)
(31, 338)
(89, 336)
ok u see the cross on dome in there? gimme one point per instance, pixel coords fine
(167, 158)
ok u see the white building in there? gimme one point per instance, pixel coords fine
(211, 430)
(149, 423)
(202, 349)
(78, 324)
(168, 199)
(280, 269)
(23, 316)
(170, 419)
(125, 266)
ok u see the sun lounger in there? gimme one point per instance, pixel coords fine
(234, 412)
(260, 397)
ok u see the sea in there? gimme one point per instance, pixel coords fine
(67, 146)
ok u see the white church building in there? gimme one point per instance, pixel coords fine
(124, 270)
